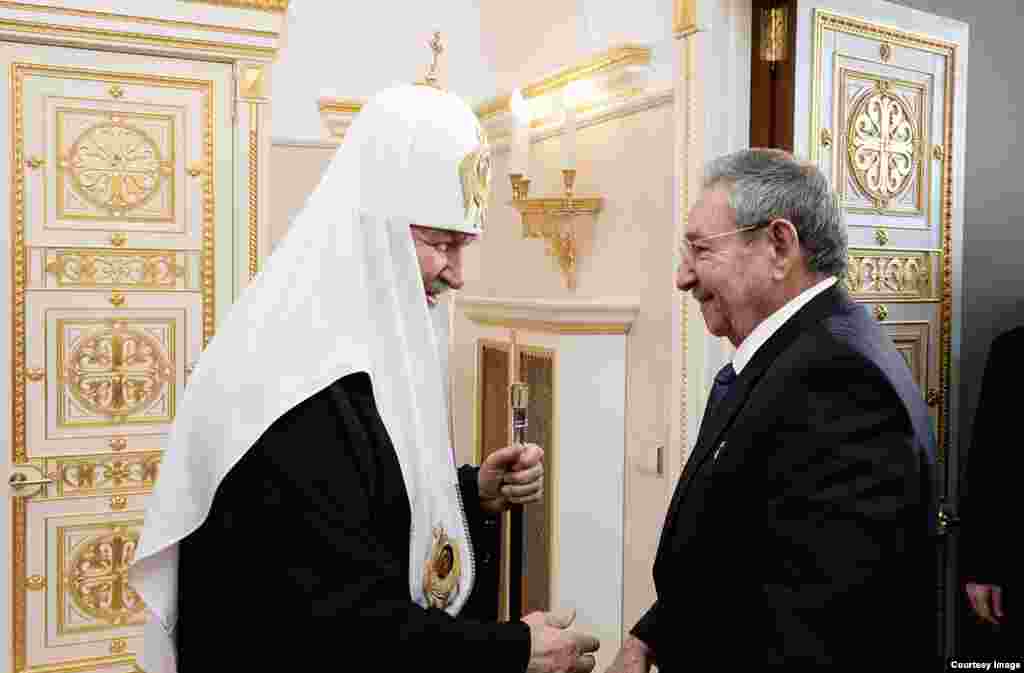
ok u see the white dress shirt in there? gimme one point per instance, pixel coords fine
(772, 323)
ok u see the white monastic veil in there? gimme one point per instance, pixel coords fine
(341, 294)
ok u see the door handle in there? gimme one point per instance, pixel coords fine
(947, 519)
(19, 480)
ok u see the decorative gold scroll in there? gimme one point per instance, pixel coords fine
(150, 269)
(893, 275)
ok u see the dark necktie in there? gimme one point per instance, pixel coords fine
(724, 379)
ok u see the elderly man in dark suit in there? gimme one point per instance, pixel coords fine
(800, 529)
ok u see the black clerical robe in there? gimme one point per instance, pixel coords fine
(303, 562)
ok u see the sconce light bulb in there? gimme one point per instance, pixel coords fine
(519, 108)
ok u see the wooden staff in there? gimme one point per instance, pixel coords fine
(519, 395)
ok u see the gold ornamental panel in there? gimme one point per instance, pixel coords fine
(114, 371)
(94, 475)
(883, 120)
(149, 269)
(92, 564)
(893, 275)
(115, 164)
(912, 341)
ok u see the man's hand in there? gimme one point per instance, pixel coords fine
(555, 649)
(987, 601)
(633, 657)
(511, 476)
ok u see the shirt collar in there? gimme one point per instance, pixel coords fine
(772, 323)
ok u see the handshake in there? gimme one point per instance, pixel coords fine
(556, 649)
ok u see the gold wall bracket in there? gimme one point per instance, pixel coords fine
(554, 219)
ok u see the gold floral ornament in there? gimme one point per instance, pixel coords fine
(98, 578)
(475, 173)
(442, 570)
(115, 166)
(117, 371)
(884, 144)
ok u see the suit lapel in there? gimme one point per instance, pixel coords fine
(714, 426)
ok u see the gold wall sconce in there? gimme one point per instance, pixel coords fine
(774, 45)
(554, 219)
(551, 218)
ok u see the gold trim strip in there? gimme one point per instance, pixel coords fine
(946, 312)
(550, 327)
(691, 150)
(824, 20)
(340, 105)
(254, 177)
(19, 514)
(85, 665)
(19, 265)
(48, 29)
(615, 57)
(113, 77)
(208, 274)
(152, 21)
(264, 5)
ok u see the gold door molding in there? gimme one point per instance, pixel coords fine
(924, 150)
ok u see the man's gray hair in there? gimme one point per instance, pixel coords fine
(765, 184)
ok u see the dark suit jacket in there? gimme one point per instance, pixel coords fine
(808, 538)
(303, 562)
(994, 468)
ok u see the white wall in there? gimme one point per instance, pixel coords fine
(492, 46)
(352, 50)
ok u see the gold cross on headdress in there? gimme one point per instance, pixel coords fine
(437, 47)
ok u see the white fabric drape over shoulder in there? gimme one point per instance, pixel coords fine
(341, 294)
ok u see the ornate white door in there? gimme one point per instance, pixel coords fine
(879, 107)
(882, 107)
(120, 263)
